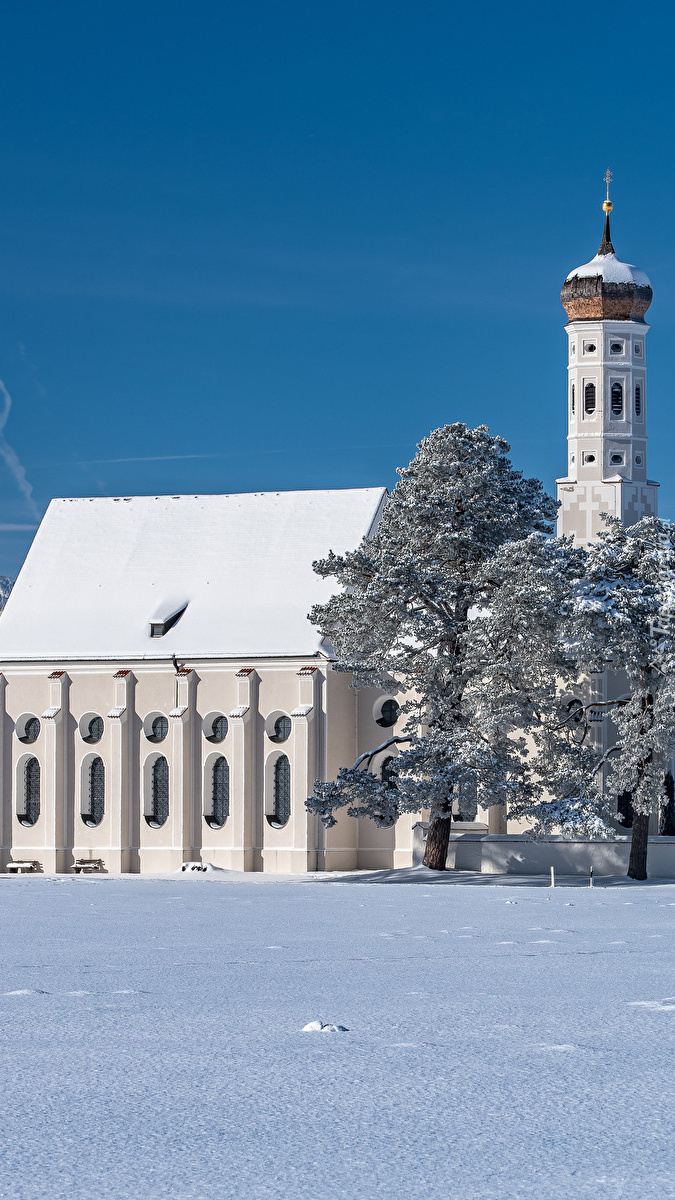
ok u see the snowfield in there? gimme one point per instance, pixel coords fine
(498, 1041)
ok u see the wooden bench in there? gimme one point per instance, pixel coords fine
(88, 866)
(24, 868)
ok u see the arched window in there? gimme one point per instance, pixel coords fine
(31, 792)
(638, 400)
(220, 794)
(388, 776)
(572, 399)
(617, 399)
(589, 398)
(282, 792)
(159, 782)
(94, 804)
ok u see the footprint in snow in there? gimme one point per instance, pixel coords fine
(320, 1027)
(664, 1005)
(27, 992)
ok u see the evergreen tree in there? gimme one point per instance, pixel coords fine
(625, 610)
(437, 608)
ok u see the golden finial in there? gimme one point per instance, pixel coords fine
(607, 205)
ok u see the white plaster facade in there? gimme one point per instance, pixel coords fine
(98, 574)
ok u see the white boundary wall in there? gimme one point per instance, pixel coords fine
(519, 854)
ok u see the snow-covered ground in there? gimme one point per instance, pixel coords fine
(501, 1041)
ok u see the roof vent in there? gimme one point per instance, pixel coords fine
(166, 616)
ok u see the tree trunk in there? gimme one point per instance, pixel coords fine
(668, 812)
(637, 866)
(438, 836)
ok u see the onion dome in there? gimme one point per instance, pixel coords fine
(606, 289)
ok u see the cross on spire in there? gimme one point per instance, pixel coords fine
(606, 246)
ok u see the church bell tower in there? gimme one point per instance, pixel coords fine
(605, 301)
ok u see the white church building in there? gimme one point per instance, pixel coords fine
(163, 696)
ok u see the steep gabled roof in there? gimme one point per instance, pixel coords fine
(238, 568)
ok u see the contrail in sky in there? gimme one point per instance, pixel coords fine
(12, 460)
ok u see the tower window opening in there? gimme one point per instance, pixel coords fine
(589, 458)
(616, 460)
(638, 460)
(638, 400)
(572, 399)
(589, 398)
(589, 347)
(616, 348)
(617, 399)
(638, 348)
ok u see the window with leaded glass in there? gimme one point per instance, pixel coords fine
(92, 813)
(94, 730)
(30, 732)
(31, 792)
(220, 794)
(282, 792)
(282, 729)
(159, 794)
(389, 711)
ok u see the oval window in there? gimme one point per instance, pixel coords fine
(389, 711)
(159, 729)
(589, 458)
(589, 348)
(616, 348)
(30, 731)
(616, 460)
(218, 727)
(94, 730)
(282, 729)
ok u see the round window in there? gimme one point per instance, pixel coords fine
(389, 711)
(31, 731)
(94, 730)
(219, 728)
(159, 729)
(282, 729)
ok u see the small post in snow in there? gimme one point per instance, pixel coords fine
(552, 876)
(590, 876)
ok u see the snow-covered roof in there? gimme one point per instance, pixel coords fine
(100, 570)
(611, 270)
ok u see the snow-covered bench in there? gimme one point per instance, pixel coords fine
(87, 866)
(24, 868)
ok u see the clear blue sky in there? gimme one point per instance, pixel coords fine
(262, 246)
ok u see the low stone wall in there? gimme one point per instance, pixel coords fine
(519, 854)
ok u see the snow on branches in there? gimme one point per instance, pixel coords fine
(456, 603)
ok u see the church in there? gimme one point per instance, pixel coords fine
(164, 698)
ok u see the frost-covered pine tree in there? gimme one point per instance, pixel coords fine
(625, 622)
(6, 585)
(436, 607)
